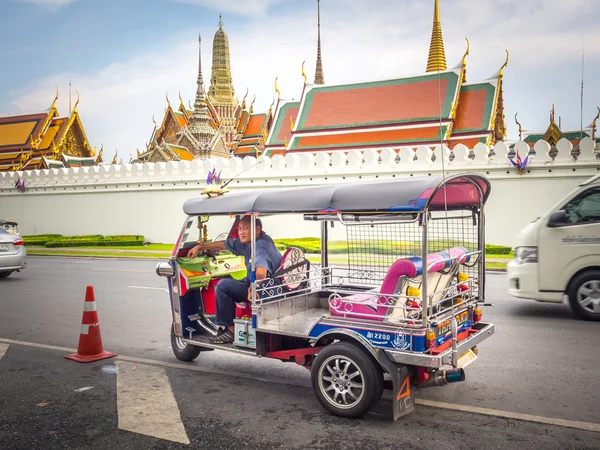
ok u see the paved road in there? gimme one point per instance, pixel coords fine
(540, 362)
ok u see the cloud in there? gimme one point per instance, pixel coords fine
(50, 4)
(252, 8)
(361, 41)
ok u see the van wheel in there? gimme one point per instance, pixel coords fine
(4, 274)
(346, 380)
(584, 295)
(182, 350)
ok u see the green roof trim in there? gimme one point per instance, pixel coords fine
(281, 115)
(452, 77)
(489, 105)
(569, 135)
(533, 138)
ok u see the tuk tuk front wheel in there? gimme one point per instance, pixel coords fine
(182, 350)
(346, 380)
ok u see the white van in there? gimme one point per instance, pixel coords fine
(558, 254)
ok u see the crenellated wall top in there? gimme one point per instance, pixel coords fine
(500, 161)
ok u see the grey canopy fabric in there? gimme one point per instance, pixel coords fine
(399, 195)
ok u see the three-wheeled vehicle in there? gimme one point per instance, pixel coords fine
(401, 307)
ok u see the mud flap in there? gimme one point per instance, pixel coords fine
(403, 401)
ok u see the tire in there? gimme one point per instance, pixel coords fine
(182, 350)
(4, 274)
(584, 295)
(360, 369)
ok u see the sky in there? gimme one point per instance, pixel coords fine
(125, 57)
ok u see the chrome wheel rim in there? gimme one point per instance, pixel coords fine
(341, 382)
(588, 296)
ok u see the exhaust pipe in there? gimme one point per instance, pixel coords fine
(196, 318)
(443, 377)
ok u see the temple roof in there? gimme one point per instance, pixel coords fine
(16, 132)
(256, 125)
(282, 125)
(370, 138)
(411, 100)
(475, 108)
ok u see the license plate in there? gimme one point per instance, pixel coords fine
(3, 247)
(445, 327)
(466, 359)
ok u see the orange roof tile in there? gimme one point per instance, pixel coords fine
(475, 105)
(369, 138)
(255, 125)
(281, 123)
(402, 100)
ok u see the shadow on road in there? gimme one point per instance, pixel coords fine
(545, 311)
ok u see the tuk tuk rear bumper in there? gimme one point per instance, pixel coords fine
(483, 331)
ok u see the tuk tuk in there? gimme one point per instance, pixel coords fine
(9, 225)
(401, 308)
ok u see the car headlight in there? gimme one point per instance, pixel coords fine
(526, 255)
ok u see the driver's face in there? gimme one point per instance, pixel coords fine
(244, 232)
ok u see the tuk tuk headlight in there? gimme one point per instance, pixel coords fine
(524, 255)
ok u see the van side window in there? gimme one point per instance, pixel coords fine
(585, 208)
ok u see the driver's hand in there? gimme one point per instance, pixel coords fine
(194, 252)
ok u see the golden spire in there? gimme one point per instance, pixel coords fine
(505, 63)
(520, 127)
(74, 110)
(303, 73)
(277, 89)
(55, 99)
(319, 78)
(437, 56)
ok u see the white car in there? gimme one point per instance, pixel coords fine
(12, 253)
(558, 254)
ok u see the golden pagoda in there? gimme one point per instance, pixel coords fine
(217, 126)
(221, 93)
(45, 140)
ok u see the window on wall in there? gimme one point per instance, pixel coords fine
(585, 208)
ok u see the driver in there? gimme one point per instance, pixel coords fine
(230, 291)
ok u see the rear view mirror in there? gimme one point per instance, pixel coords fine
(557, 219)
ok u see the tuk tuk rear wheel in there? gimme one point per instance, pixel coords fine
(346, 380)
(182, 350)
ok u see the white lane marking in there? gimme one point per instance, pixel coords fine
(124, 270)
(146, 404)
(87, 388)
(3, 348)
(588, 426)
(513, 415)
(150, 288)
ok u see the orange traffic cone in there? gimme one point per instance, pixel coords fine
(90, 342)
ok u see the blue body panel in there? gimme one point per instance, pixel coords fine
(379, 339)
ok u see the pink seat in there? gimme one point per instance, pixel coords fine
(374, 305)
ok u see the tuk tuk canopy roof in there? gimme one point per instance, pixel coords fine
(413, 194)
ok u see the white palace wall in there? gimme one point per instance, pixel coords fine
(147, 198)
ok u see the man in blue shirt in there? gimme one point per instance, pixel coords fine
(230, 291)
